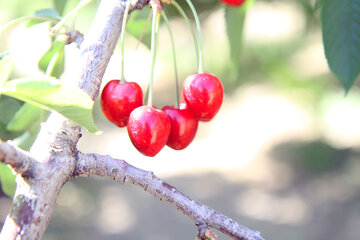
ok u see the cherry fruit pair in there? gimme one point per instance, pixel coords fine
(150, 128)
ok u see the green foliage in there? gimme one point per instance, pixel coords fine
(8, 107)
(7, 180)
(51, 94)
(24, 117)
(47, 14)
(235, 18)
(53, 61)
(6, 63)
(25, 140)
(341, 36)
(60, 5)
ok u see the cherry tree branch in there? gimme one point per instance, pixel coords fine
(121, 171)
(19, 160)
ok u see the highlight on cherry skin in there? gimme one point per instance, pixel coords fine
(183, 126)
(149, 129)
(118, 100)
(203, 94)
(233, 2)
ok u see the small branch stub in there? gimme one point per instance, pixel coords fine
(19, 160)
(74, 36)
(204, 232)
(208, 235)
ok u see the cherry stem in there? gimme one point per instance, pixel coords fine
(174, 58)
(17, 20)
(143, 31)
(122, 37)
(197, 21)
(154, 40)
(183, 14)
(61, 23)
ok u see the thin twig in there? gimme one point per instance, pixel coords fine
(121, 171)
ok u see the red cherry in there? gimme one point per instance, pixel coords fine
(233, 2)
(183, 126)
(119, 99)
(203, 93)
(148, 129)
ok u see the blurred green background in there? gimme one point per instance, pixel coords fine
(281, 156)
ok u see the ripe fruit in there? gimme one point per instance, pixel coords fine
(119, 99)
(183, 126)
(148, 129)
(203, 93)
(233, 2)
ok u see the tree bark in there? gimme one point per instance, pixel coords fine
(121, 171)
(54, 158)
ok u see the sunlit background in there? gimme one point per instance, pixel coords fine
(281, 156)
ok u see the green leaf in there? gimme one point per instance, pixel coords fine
(60, 5)
(26, 140)
(7, 180)
(318, 4)
(8, 108)
(53, 61)
(6, 135)
(235, 18)
(6, 63)
(136, 26)
(47, 13)
(341, 37)
(51, 94)
(24, 117)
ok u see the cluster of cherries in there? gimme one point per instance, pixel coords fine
(151, 128)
